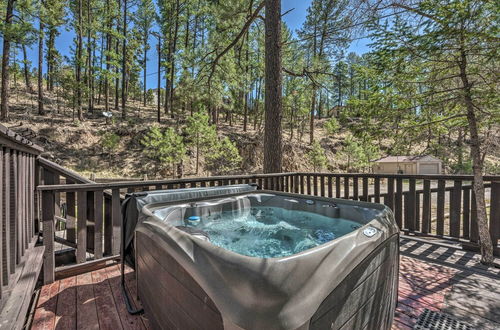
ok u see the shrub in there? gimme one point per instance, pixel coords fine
(317, 156)
(224, 157)
(109, 142)
(332, 126)
(166, 146)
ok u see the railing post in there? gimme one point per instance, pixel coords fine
(440, 207)
(48, 236)
(455, 206)
(426, 208)
(98, 223)
(377, 189)
(117, 220)
(81, 219)
(389, 198)
(365, 190)
(495, 212)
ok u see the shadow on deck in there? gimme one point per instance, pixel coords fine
(431, 276)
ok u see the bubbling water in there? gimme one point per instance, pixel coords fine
(270, 232)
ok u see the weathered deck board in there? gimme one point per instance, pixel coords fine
(441, 279)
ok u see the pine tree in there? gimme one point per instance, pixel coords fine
(144, 23)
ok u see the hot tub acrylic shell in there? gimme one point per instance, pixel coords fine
(184, 282)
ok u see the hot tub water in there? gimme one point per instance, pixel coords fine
(270, 232)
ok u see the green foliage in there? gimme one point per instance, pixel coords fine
(202, 136)
(317, 157)
(332, 126)
(358, 153)
(110, 141)
(165, 146)
(223, 158)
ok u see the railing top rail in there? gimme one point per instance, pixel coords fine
(11, 139)
(89, 186)
(132, 184)
(63, 171)
(464, 177)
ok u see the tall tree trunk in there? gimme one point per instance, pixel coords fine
(144, 68)
(50, 58)
(485, 243)
(5, 63)
(172, 66)
(273, 88)
(27, 80)
(101, 56)
(311, 117)
(79, 49)
(90, 77)
(117, 50)
(40, 70)
(124, 61)
(247, 68)
(108, 65)
(159, 80)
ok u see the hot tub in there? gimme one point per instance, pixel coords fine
(267, 260)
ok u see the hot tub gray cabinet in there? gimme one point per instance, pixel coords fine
(185, 282)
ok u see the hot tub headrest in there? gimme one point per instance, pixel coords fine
(134, 202)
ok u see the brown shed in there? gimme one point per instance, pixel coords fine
(408, 165)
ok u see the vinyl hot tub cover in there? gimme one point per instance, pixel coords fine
(296, 290)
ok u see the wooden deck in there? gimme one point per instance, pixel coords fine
(431, 276)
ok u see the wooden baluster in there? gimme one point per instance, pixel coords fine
(455, 208)
(389, 198)
(6, 216)
(302, 191)
(308, 178)
(426, 208)
(322, 185)
(466, 213)
(48, 235)
(440, 207)
(337, 187)
(81, 218)
(108, 226)
(330, 186)
(411, 205)
(377, 190)
(315, 185)
(398, 200)
(346, 187)
(203, 184)
(90, 220)
(98, 223)
(474, 234)
(20, 203)
(117, 220)
(158, 187)
(38, 179)
(2, 212)
(365, 189)
(495, 212)
(355, 189)
(417, 211)
(14, 212)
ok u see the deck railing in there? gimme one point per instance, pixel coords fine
(437, 205)
(19, 267)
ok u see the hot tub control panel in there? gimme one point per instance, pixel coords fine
(370, 231)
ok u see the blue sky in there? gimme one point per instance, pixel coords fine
(294, 19)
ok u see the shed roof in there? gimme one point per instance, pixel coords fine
(407, 159)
